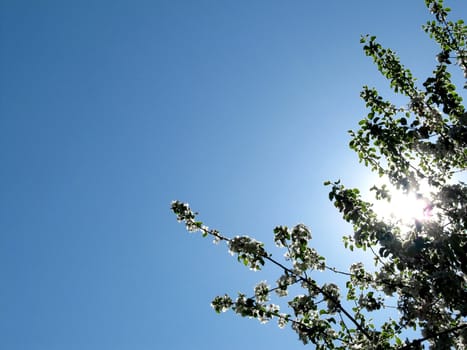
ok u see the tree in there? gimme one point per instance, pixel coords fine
(423, 264)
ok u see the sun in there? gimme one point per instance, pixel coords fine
(405, 207)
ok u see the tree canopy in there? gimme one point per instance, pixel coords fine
(421, 263)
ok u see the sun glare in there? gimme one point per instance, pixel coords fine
(406, 207)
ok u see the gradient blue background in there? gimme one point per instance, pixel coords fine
(109, 110)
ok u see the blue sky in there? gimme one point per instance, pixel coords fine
(109, 110)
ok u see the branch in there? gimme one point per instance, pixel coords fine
(333, 269)
(327, 295)
(420, 340)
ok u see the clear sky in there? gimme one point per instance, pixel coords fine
(109, 110)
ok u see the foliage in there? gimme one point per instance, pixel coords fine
(423, 264)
